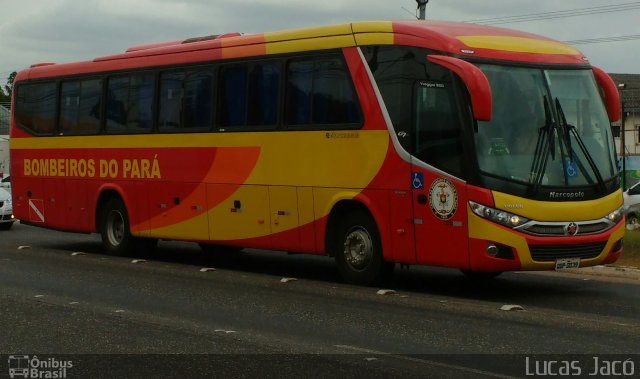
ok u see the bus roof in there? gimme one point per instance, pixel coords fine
(455, 38)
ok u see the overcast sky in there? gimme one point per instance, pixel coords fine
(33, 31)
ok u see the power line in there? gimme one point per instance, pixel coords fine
(603, 39)
(559, 14)
(570, 13)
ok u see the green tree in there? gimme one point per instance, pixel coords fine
(9, 86)
(5, 91)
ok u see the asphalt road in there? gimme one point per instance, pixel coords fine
(61, 297)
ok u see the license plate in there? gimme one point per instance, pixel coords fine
(565, 263)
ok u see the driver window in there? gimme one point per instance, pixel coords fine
(437, 133)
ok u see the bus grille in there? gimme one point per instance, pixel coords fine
(557, 228)
(549, 253)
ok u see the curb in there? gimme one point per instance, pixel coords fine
(610, 271)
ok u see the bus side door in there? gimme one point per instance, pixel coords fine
(440, 219)
(439, 197)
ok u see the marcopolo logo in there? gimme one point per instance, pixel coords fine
(25, 366)
(566, 195)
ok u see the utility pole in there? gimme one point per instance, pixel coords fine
(623, 143)
(422, 7)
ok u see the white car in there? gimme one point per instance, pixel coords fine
(6, 182)
(6, 210)
(632, 206)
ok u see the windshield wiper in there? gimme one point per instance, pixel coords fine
(567, 156)
(544, 146)
(571, 130)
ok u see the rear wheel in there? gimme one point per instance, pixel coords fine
(358, 250)
(116, 233)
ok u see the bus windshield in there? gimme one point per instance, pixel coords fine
(548, 128)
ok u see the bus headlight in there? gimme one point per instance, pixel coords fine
(501, 217)
(616, 215)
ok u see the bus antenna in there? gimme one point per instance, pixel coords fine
(422, 7)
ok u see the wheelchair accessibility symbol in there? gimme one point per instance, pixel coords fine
(417, 180)
(571, 169)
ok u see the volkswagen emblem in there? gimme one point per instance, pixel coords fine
(571, 229)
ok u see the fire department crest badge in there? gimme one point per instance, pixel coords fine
(443, 199)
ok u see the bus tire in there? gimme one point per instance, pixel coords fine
(114, 228)
(358, 250)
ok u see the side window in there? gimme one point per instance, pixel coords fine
(299, 87)
(320, 92)
(232, 110)
(170, 100)
(130, 104)
(264, 86)
(69, 106)
(90, 101)
(117, 102)
(437, 138)
(198, 100)
(186, 100)
(36, 107)
(334, 100)
(80, 107)
(249, 94)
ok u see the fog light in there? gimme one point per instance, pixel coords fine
(492, 250)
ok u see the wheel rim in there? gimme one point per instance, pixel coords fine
(115, 228)
(358, 248)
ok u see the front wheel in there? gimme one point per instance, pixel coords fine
(358, 250)
(6, 225)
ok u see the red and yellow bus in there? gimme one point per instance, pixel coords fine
(420, 143)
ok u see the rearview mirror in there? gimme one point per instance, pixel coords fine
(474, 79)
(611, 95)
